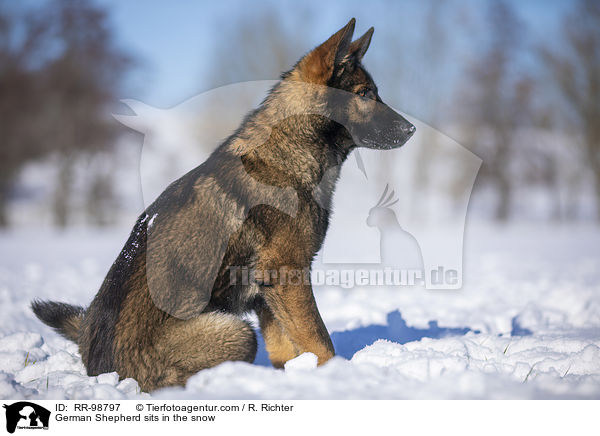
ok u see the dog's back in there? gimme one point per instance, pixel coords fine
(94, 330)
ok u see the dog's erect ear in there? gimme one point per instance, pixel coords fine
(318, 65)
(359, 47)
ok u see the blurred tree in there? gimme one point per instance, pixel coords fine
(576, 69)
(498, 102)
(433, 53)
(59, 71)
(100, 201)
(260, 47)
(20, 116)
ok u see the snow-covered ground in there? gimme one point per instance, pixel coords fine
(525, 325)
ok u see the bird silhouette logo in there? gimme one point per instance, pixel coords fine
(398, 248)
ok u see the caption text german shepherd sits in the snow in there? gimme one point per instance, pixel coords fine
(170, 304)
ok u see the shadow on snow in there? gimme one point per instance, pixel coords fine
(348, 342)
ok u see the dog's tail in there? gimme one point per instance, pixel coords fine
(64, 318)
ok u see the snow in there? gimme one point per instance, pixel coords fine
(305, 361)
(151, 222)
(526, 324)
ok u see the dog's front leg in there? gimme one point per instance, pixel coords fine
(295, 310)
(277, 342)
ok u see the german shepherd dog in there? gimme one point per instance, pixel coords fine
(171, 304)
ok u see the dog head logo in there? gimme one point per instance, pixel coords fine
(26, 415)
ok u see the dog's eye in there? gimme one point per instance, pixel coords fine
(368, 93)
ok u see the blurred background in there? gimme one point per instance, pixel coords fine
(104, 102)
(517, 83)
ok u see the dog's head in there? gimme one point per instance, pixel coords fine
(352, 98)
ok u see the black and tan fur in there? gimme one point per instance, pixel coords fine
(168, 307)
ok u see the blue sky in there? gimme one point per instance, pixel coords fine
(174, 40)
